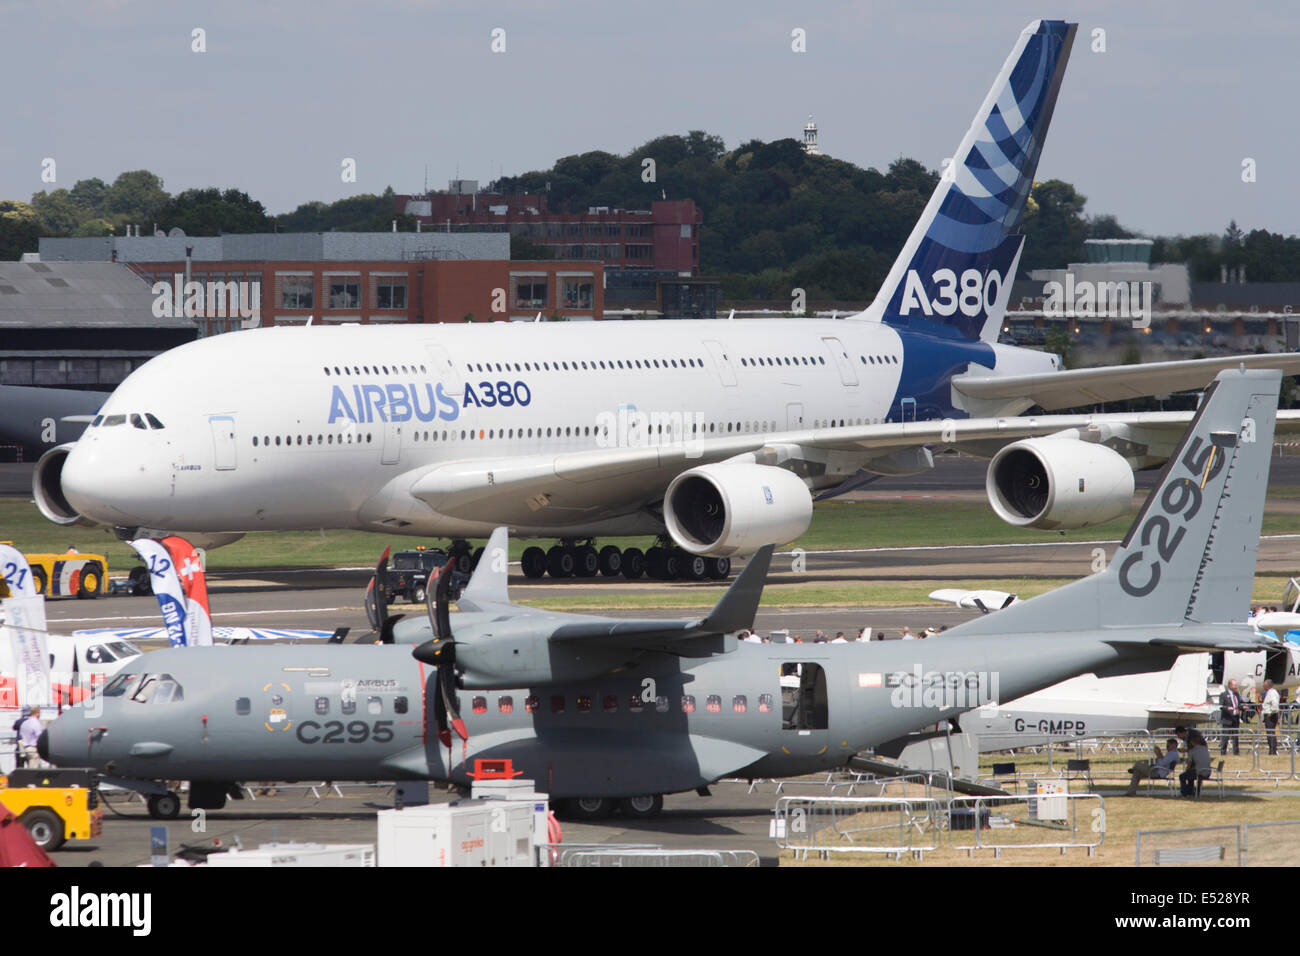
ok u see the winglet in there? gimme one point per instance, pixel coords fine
(738, 606)
(488, 583)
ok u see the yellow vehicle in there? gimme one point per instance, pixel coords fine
(61, 575)
(54, 805)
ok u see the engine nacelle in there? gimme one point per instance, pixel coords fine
(1060, 483)
(735, 508)
(47, 489)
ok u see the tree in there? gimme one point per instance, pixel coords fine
(211, 212)
(1232, 236)
(1054, 228)
(20, 227)
(90, 195)
(136, 196)
(59, 215)
(521, 247)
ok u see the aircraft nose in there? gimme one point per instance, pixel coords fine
(112, 485)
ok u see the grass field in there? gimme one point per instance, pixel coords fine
(835, 525)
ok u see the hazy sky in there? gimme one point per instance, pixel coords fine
(1153, 130)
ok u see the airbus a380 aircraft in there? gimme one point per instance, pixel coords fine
(718, 432)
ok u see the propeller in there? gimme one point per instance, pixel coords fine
(376, 602)
(440, 652)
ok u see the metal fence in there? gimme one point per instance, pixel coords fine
(1192, 846)
(1038, 821)
(647, 855)
(826, 825)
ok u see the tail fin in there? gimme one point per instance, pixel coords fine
(955, 273)
(487, 585)
(1189, 558)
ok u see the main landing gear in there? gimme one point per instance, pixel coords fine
(597, 808)
(663, 562)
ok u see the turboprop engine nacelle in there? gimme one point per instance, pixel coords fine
(1058, 483)
(736, 508)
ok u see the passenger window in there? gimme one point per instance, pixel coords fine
(611, 703)
(584, 704)
(557, 703)
(322, 706)
(764, 703)
(635, 704)
(479, 705)
(661, 704)
(688, 704)
(399, 705)
(713, 704)
(349, 706)
(530, 704)
(242, 706)
(740, 703)
(505, 705)
(374, 706)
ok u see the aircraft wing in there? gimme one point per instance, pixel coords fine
(552, 490)
(1072, 388)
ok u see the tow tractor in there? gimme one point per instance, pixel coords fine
(54, 805)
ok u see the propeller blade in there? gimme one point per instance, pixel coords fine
(377, 594)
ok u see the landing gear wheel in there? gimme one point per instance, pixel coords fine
(673, 566)
(590, 808)
(694, 567)
(586, 561)
(643, 807)
(559, 562)
(533, 562)
(656, 563)
(164, 806)
(719, 568)
(45, 828)
(611, 561)
(91, 584)
(633, 563)
(140, 583)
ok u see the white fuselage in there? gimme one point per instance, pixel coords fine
(297, 428)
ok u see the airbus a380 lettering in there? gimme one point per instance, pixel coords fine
(717, 433)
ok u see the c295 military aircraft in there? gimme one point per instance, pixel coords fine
(606, 710)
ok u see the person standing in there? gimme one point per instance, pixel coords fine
(1270, 709)
(1230, 717)
(29, 732)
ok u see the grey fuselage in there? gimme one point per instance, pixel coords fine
(368, 713)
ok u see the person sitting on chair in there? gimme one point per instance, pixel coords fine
(1198, 763)
(1158, 769)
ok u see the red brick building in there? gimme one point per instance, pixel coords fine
(665, 237)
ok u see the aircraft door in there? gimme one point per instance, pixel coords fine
(224, 456)
(794, 416)
(805, 708)
(392, 443)
(722, 361)
(848, 374)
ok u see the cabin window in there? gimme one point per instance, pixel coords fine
(349, 706)
(557, 703)
(322, 706)
(243, 707)
(740, 703)
(713, 704)
(635, 704)
(688, 704)
(611, 703)
(661, 704)
(505, 705)
(479, 705)
(764, 703)
(584, 704)
(530, 704)
(399, 705)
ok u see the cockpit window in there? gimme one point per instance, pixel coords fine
(120, 684)
(138, 422)
(123, 649)
(153, 422)
(98, 654)
(157, 689)
(111, 420)
(98, 419)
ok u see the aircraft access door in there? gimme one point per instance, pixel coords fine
(224, 456)
(794, 416)
(392, 443)
(805, 708)
(722, 361)
(848, 374)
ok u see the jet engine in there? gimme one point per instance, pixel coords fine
(47, 488)
(1058, 483)
(735, 508)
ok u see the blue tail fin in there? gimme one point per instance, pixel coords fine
(954, 275)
